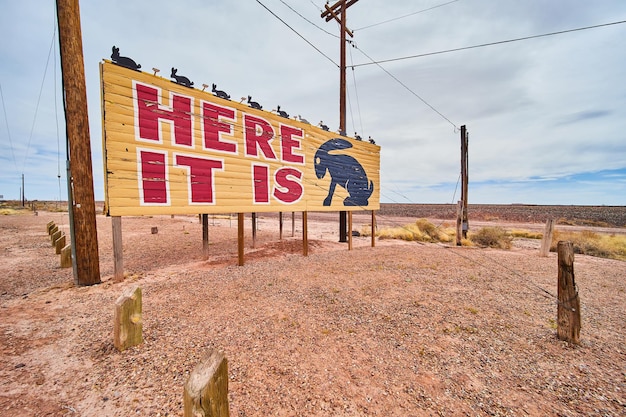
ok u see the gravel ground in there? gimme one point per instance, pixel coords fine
(401, 329)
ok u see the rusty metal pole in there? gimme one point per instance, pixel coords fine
(83, 206)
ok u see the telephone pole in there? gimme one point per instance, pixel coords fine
(337, 12)
(81, 202)
(462, 221)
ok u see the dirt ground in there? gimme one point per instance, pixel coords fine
(399, 329)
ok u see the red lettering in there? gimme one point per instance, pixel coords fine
(288, 189)
(258, 134)
(153, 180)
(149, 112)
(288, 144)
(261, 183)
(200, 179)
(213, 127)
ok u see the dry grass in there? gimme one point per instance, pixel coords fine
(420, 231)
(492, 237)
(525, 234)
(593, 244)
(10, 207)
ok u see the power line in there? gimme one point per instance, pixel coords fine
(406, 15)
(296, 32)
(6, 119)
(489, 44)
(406, 87)
(32, 129)
(309, 21)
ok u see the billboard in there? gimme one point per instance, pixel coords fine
(172, 149)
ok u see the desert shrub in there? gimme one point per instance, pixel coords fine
(492, 237)
(591, 243)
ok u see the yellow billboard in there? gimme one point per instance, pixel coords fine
(172, 149)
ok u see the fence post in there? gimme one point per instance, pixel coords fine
(128, 325)
(568, 310)
(206, 390)
(59, 244)
(547, 238)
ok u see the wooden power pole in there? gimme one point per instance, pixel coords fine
(81, 200)
(338, 12)
(462, 222)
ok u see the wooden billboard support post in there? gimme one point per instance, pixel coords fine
(568, 310)
(293, 223)
(349, 230)
(205, 236)
(305, 234)
(373, 228)
(240, 237)
(280, 225)
(81, 200)
(118, 252)
(547, 238)
(253, 230)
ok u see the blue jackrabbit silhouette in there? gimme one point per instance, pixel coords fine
(344, 171)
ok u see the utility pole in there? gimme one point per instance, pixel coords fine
(23, 192)
(462, 223)
(338, 12)
(464, 179)
(81, 200)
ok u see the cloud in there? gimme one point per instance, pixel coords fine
(583, 116)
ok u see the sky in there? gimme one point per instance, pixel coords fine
(546, 116)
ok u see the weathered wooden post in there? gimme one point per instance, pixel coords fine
(55, 236)
(547, 238)
(349, 230)
(459, 222)
(59, 244)
(66, 256)
(305, 234)
(240, 239)
(128, 326)
(373, 228)
(568, 310)
(118, 249)
(53, 230)
(253, 230)
(206, 389)
(205, 236)
(49, 226)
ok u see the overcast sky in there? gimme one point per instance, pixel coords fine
(546, 116)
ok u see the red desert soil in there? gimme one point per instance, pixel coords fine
(400, 329)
